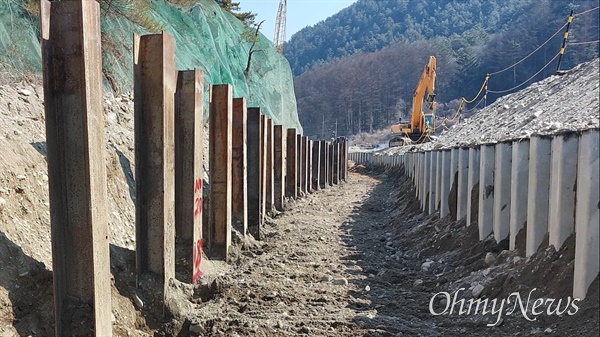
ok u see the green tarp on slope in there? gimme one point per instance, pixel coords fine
(206, 37)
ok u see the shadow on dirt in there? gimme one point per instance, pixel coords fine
(29, 286)
(127, 172)
(41, 148)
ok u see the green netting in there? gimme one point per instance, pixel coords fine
(206, 38)
(19, 43)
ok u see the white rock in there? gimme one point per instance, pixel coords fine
(490, 259)
(417, 282)
(548, 330)
(21, 177)
(367, 288)
(196, 329)
(340, 282)
(476, 292)
(426, 265)
(138, 301)
(24, 92)
(517, 259)
(326, 278)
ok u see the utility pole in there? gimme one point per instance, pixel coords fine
(336, 129)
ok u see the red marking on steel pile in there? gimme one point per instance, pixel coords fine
(198, 196)
(197, 260)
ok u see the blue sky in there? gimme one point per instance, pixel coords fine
(300, 13)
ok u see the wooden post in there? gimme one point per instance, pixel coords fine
(300, 163)
(304, 182)
(263, 170)
(279, 165)
(154, 92)
(309, 149)
(239, 171)
(344, 159)
(323, 165)
(189, 131)
(316, 165)
(72, 68)
(291, 174)
(330, 164)
(254, 171)
(220, 146)
(270, 174)
(336, 162)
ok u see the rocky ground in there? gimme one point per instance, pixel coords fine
(359, 260)
(25, 251)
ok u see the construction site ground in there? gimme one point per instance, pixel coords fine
(345, 261)
(358, 259)
(348, 261)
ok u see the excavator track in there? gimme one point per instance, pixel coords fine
(411, 138)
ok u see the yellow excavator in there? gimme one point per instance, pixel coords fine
(422, 123)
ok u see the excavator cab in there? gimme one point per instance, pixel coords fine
(429, 122)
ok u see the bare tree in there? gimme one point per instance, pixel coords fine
(252, 36)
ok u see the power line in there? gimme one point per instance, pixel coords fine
(538, 48)
(476, 105)
(483, 85)
(534, 75)
(581, 43)
(584, 12)
(485, 82)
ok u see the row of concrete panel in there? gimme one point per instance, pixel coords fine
(548, 184)
(253, 164)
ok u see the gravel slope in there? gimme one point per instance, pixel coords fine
(569, 102)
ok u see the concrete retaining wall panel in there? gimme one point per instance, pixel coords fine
(563, 174)
(485, 216)
(587, 217)
(518, 189)
(538, 197)
(473, 185)
(502, 178)
(463, 183)
(445, 183)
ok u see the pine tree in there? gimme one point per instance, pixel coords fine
(234, 8)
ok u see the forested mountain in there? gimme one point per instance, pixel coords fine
(369, 78)
(370, 25)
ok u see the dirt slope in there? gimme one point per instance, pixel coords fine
(25, 250)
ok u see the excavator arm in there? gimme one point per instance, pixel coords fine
(420, 122)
